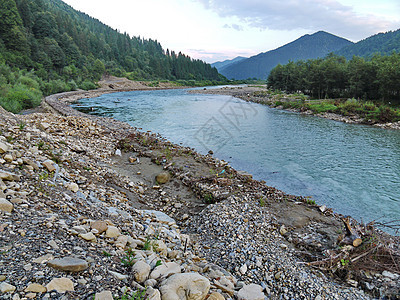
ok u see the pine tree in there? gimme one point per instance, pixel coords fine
(11, 28)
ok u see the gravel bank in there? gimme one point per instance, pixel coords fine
(92, 208)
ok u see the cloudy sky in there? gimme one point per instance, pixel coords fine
(215, 30)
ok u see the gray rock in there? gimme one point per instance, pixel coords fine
(71, 264)
(160, 216)
(119, 276)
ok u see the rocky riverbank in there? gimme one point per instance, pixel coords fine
(92, 208)
(260, 94)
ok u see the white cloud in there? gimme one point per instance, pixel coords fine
(312, 15)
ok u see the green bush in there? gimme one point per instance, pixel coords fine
(72, 86)
(55, 86)
(387, 114)
(22, 97)
(323, 107)
(88, 85)
(12, 106)
(350, 106)
(29, 82)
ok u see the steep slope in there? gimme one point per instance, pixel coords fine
(382, 43)
(47, 47)
(220, 65)
(316, 45)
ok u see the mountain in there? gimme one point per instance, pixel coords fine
(220, 65)
(308, 46)
(382, 43)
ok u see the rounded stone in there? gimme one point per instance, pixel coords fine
(251, 292)
(112, 232)
(163, 177)
(190, 286)
(100, 226)
(6, 205)
(70, 264)
(36, 288)
(60, 285)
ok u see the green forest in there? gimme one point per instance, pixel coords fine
(48, 47)
(376, 78)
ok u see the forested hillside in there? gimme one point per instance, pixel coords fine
(48, 47)
(377, 78)
(381, 43)
(315, 45)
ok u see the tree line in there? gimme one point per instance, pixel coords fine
(376, 78)
(57, 48)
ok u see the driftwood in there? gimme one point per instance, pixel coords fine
(351, 238)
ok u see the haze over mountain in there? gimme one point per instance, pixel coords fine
(308, 46)
(382, 43)
(220, 65)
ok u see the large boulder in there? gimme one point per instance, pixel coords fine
(70, 264)
(185, 286)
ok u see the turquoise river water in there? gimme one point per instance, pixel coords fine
(354, 169)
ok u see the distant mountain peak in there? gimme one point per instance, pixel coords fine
(220, 65)
(308, 46)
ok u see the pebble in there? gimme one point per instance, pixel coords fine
(60, 285)
(7, 288)
(104, 295)
(163, 177)
(112, 232)
(100, 226)
(89, 237)
(4, 148)
(251, 292)
(73, 187)
(6, 205)
(36, 288)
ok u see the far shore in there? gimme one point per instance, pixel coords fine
(256, 94)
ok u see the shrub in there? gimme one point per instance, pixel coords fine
(350, 106)
(22, 97)
(323, 107)
(387, 114)
(29, 82)
(72, 86)
(88, 85)
(55, 86)
(14, 107)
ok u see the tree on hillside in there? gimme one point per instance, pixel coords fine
(11, 27)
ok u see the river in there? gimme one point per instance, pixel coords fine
(354, 169)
